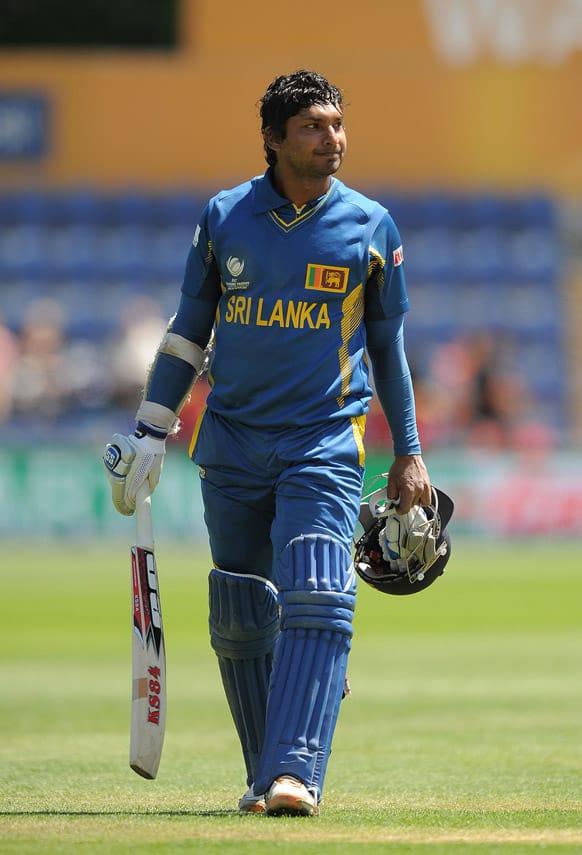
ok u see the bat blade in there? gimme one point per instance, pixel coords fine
(148, 702)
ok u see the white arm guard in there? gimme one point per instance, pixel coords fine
(160, 419)
(156, 416)
(177, 345)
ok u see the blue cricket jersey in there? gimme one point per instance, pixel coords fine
(289, 291)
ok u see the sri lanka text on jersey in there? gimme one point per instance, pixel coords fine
(295, 314)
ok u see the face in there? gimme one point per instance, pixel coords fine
(315, 144)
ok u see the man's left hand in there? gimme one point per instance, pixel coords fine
(409, 482)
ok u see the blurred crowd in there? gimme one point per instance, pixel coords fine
(470, 395)
(52, 380)
(473, 397)
(88, 281)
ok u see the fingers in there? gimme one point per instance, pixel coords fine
(408, 481)
(117, 459)
(407, 498)
(137, 475)
(146, 467)
(426, 498)
(129, 461)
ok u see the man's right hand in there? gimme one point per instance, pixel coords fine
(129, 461)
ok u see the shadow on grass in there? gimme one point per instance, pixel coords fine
(180, 812)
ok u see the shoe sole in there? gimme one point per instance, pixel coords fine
(290, 806)
(255, 807)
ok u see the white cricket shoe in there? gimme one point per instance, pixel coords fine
(250, 803)
(290, 797)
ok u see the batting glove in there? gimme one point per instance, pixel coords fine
(129, 461)
(408, 534)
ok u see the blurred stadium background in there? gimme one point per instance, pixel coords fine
(464, 118)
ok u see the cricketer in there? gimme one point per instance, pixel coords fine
(299, 283)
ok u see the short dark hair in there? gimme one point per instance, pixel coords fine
(287, 95)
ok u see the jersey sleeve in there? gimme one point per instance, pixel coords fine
(386, 294)
(200, 288)
(393, 383)
(171, 377)
(386, 303)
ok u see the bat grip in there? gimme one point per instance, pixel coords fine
(143, 517)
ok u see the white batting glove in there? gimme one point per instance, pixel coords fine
(408, 534)
(129, 461)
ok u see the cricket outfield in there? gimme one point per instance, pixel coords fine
(462, 734)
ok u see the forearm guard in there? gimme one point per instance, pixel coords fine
(156, 418)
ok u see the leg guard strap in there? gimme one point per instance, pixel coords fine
(315, 610)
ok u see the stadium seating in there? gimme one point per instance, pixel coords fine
(488, 264)
(474, 263)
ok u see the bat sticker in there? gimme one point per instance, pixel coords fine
(147, 620)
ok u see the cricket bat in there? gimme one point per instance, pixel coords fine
(148, 659)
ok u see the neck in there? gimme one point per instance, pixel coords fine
(300, 191)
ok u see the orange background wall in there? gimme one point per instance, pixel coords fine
(416, 116)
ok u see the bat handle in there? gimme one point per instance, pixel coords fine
(143, 517)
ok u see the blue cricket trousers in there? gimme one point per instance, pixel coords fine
(263, 487)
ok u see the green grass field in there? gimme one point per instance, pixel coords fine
(463, 732)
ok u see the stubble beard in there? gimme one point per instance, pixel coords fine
(329, 168)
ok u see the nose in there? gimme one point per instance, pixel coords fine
(331, 135)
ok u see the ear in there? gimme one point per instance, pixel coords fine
(272, 139)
